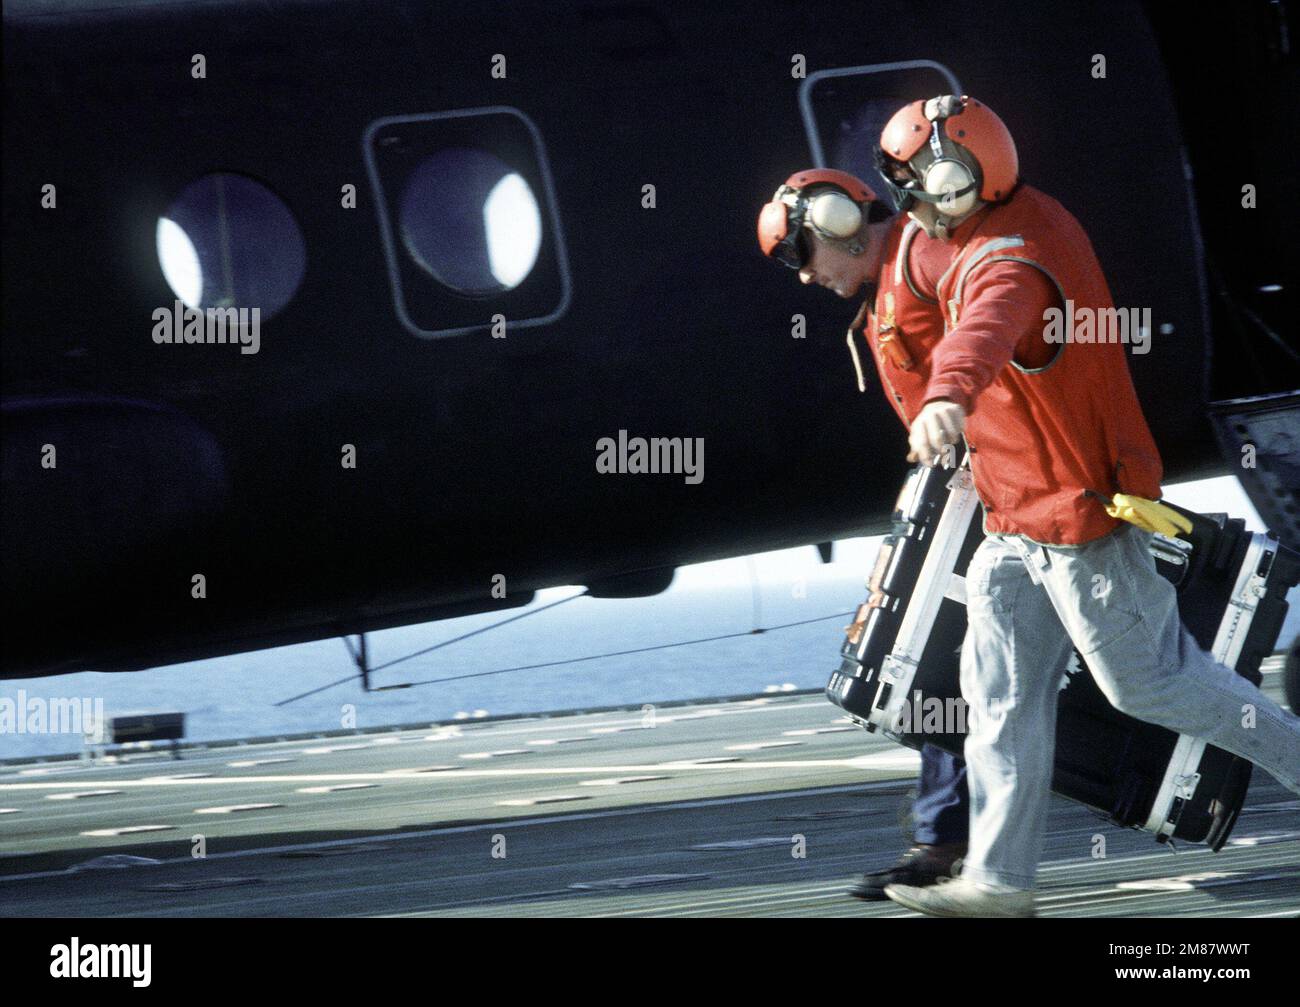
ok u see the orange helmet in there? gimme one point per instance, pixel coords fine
(832, 203)
(957, 150)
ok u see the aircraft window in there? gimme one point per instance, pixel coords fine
(228, 241)
(471, 221)
(844, 110)
(468, 218)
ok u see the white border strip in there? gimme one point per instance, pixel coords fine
(949, 536)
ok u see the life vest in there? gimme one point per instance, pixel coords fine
(900, 329)
(1045, 443)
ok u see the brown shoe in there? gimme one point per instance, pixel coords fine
(919, 867)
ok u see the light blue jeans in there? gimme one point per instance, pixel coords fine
(1026, 604)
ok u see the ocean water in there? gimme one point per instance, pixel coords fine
(235, 696)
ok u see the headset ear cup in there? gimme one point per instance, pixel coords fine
(945, 177)
(835, 214)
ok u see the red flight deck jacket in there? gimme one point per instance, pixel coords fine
(1049, 426)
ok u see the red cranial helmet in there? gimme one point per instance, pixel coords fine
(833, 204)
(950, 151)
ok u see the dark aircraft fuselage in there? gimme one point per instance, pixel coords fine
(476, 455)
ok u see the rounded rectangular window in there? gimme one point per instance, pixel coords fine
(845, 109)
(468, 215)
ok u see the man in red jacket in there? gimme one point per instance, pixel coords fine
(1050, 441)
(1053, 433)
(878, 250)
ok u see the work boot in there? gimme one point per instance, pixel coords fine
(921, 866)
(960, 897)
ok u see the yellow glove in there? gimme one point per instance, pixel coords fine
(1148, 514)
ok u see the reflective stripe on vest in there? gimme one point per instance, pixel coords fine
(1059, 289)
(988, 248)
(903, 271)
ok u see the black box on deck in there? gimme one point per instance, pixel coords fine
(901, 658)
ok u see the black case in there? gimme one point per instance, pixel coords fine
(906, 639)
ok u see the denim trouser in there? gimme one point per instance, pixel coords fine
(1026, 603)
(941, 811)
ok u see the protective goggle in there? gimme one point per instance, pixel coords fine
(782, 234)
(781, 228)
(901, 195)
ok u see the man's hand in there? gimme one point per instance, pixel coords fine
(940, 423)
